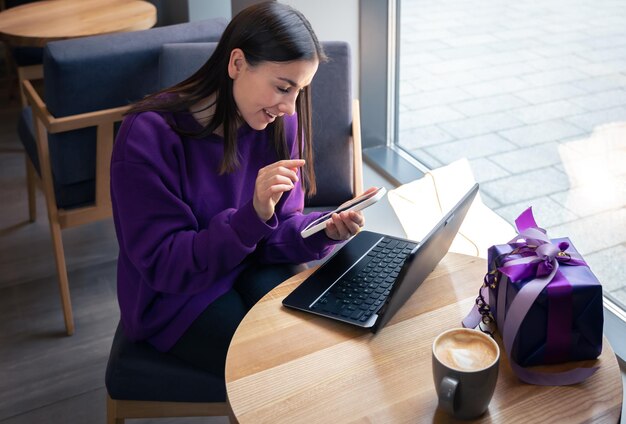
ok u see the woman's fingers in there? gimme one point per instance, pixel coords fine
(344, 225)
(272, 181)
(288, 168)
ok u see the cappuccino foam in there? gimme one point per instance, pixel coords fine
(465, 350)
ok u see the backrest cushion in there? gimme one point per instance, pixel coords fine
(332, 127)
(93, 73)
(178, 61)
(332, 113)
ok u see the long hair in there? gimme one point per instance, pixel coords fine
(265, 32)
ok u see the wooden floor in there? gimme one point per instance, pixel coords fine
(45, 376)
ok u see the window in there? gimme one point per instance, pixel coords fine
(532, 94)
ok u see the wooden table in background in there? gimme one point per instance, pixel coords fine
(294, 367)
(35, 24)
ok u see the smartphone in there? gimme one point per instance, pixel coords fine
(356, 204)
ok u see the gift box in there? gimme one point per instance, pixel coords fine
(545, 301)
(565, 321)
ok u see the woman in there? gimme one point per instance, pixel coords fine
(208, 180)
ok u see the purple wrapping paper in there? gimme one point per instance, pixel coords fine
(575, 296)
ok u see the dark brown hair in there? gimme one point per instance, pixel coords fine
(265, 32)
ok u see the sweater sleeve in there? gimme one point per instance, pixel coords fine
(286, 244)
(156, 229)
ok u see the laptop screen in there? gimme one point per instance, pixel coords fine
(425, 258)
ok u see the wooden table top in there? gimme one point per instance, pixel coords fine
(35, 24)
(290, 366)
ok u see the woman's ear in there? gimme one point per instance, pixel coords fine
(236, 63)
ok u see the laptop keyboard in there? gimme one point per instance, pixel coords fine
(362, 291)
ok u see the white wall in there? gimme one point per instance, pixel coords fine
(334, 20)
(206, 9)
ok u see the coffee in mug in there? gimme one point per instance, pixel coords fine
(465, 371)
(466, 350)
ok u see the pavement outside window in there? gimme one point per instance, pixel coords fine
(533, 94)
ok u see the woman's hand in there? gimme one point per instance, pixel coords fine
(346, 224)
(342, 226)
(271, 182)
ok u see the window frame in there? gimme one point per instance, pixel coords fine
(379, 74)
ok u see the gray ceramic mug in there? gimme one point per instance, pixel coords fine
(465, 371)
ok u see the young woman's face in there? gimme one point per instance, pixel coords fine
(269, 89)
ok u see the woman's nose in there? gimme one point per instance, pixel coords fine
(288, 105)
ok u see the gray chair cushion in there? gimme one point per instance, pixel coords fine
(332, 127)
(113, 69)
(178, 61)
(137, 371)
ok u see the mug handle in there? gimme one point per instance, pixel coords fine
(447, 394)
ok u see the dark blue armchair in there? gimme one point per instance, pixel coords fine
(68, 133)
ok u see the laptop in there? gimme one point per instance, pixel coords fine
(369, 279)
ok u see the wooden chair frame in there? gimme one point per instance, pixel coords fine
(357, 158)
(31, 73)
(119, 410)
(59, 219)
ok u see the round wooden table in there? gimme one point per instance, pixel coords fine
(35, 24)
(294, 367)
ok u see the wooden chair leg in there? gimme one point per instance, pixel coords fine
(64, 289)
(112, 412)
(53, 212)
(31, 178)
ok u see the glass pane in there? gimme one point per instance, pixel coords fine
(533, 94)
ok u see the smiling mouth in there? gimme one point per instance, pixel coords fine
(270, 114)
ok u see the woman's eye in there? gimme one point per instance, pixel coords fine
(283, 90)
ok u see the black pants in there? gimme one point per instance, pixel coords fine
(206, 342)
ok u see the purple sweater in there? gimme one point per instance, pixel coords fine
(184, 230)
